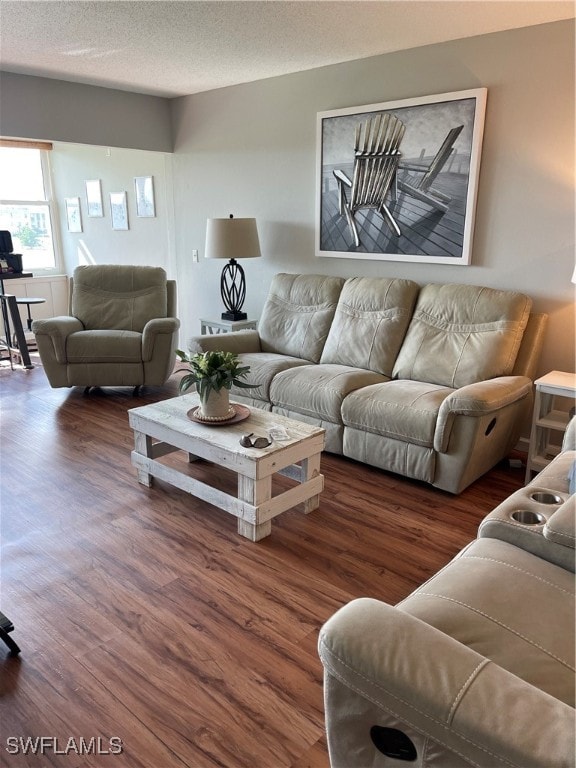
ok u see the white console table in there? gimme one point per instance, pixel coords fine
(548, 418)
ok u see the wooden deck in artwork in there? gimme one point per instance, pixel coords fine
(424, 230)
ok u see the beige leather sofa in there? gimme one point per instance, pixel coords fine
(122, 329)
(433, 382)
(476, 667)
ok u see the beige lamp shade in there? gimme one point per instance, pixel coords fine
(232, 239)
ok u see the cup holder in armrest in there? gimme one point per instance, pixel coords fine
(546, 497)
(528, 517)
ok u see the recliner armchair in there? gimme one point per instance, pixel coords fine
(122, 329)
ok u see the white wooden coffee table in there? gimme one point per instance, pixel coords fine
(164, 427)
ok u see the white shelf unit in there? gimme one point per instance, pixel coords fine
(226, 326)
(548, 420)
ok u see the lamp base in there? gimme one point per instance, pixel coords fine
(234, 316)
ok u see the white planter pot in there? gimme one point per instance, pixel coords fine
(216, 407)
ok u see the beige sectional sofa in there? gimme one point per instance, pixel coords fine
(432, 382)
(476, 666)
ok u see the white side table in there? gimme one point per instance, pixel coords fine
(226, 326)
(547, 418)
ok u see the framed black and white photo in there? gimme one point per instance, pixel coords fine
(118, 210)
(144, 187)
(94, 205)
(397, 181)
(73, 214)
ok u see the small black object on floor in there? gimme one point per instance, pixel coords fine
(6, 626)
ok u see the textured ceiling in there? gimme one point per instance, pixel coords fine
(178, 48)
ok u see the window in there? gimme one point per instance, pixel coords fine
(26, 205)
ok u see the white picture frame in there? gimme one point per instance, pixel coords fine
(94, 207)
(73, 214)
(144, 188)
(119, 210)
(432, 196)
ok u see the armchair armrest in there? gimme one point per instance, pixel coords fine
(57, 329)
(239, 342)
(478, 399)
(159, 326)
(341, 176)
(393, 664)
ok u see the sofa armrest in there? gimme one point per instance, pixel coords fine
(561, 526)
(534, 520)
(239, 342)
(529, 533)
(159, 326)
(57, 329)
(398, 669)
(478, 399)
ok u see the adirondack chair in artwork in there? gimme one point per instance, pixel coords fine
(376, 158)
(421, 188)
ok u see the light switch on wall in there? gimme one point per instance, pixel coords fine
(195, 255)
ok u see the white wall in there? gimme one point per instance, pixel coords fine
(148, 241)
(250, 150)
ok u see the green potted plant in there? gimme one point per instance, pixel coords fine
(213, 373)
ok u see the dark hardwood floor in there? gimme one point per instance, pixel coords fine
(144, 618)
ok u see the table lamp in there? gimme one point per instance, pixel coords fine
(232, 239)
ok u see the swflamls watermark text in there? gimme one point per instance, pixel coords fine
(73, 745)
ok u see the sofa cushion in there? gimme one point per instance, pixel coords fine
(263, 367)
(298, 313)
(370, 322)
(403, 410)
(507, 605)
(118, 297)
(461, 334)
(318, 390)
(104, 347)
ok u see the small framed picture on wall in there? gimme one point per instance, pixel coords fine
(144, 187)
(94, 198)
(119, 210)
(73, 214)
